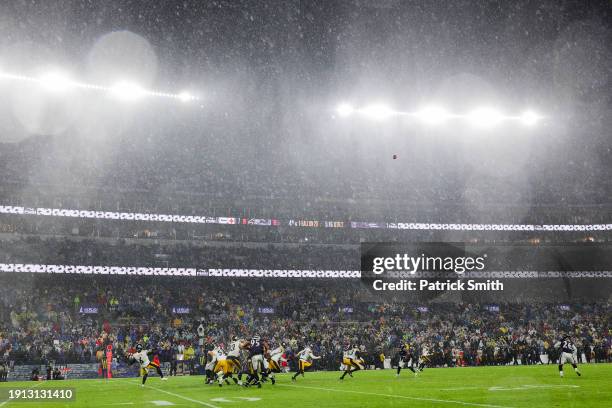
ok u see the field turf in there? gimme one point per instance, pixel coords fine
(518, 386)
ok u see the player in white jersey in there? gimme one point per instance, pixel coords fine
(224, 367)
(568, 354)
(234, 350)
(142, 358)
(213, 358)
(233, 355)
(274, 361)
(424, 358)
(351, 361)
(305, 358)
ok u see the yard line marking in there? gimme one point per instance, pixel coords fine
(441, 401)
(34, 386)
(513, 388)
(183, 397)
(221, 400)
(460, 388)
(531, 387)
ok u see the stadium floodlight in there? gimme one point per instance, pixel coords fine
(55, 82)
(127, 91)
(433, 115)
(345, 110)
(529, 118)
(185, 96)
(485, 117)
(377, 112)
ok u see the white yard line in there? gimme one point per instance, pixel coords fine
(461, 388)
(183, 397)
(440, 401)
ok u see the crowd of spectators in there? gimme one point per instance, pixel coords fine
(68, 319)
(64, 251)
(100, 252)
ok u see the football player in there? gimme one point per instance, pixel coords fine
(213, 357)
(224, 368)
(141, 357)
(351, 361)
(406, 360)
(305, 358)
(256, 361)
(235, 347)
(568, 354)
(424, 358)
(245, 366)
(234, 350)
(275, 360)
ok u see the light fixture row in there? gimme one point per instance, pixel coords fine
(437, 115)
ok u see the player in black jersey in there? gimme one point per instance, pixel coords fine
(256, 361)
(405, 359)
(568, 354)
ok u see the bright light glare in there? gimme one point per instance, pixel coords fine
(127, 91)
(185, 96)
(529, 118)
(124, 90)
(433, 115)
(377, 112)
(485, 117)
(55, 82)
(344, 110)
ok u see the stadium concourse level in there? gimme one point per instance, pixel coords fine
(236, 229)
(326, 207)
(82, 254)
(66, 319)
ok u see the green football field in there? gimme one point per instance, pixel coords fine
(536, 386)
